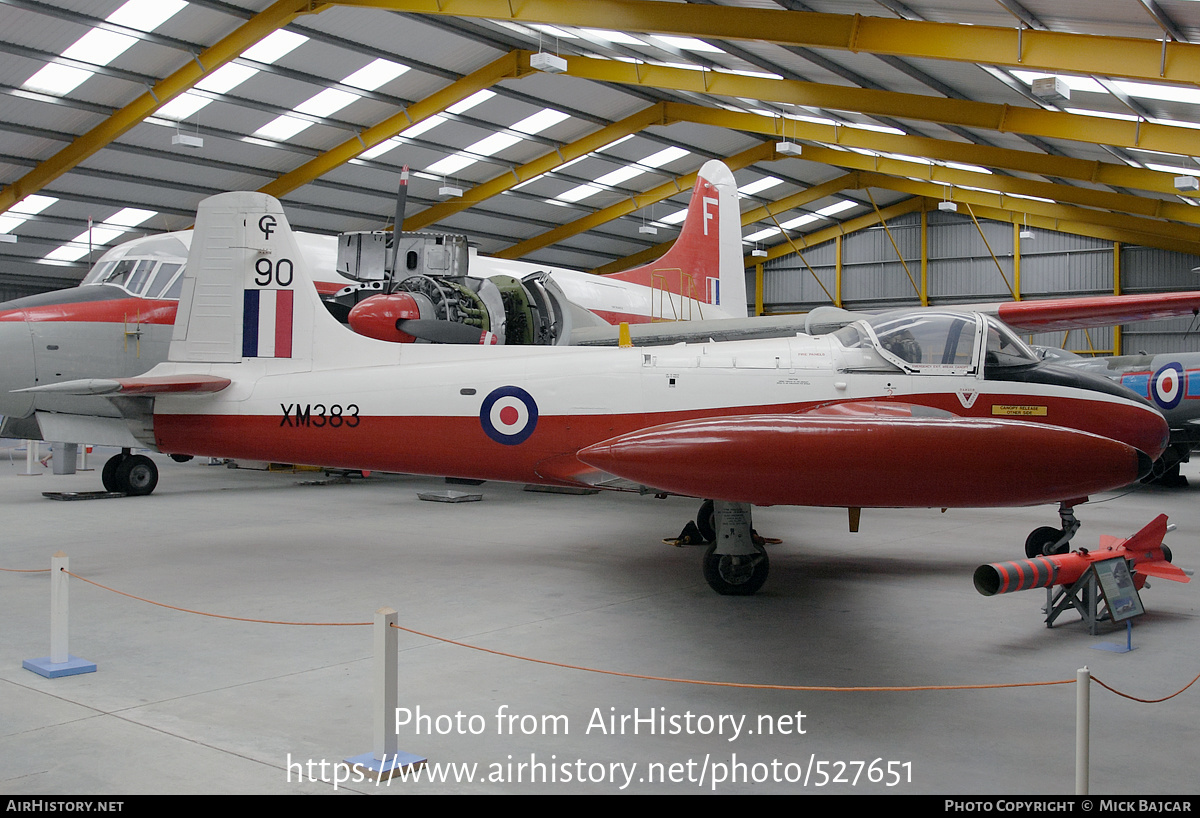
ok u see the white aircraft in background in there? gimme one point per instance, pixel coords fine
(920, 408)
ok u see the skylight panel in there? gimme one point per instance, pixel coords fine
(329, 101)
(99, 47)
(274, 46)
(616, 177)
(613, 36)
(380, 149)
(799, 221)
(762, 234)
(759, 185)
(491, 145)
(413, 131)
(554, 32)
(129, 217)
(687, 43)
(57, 79)
(146, 15)
(576, 194)
(1167, 93)
(867, 126)
(676, 217)
(375, 74)
(543, 119)
(68, 252)
(183, 106)
(451, 164)
(663, 157)
(282, 127)
(226, 78)
(971, 168)
(836, 208)
(1176, 169)
(742, 72)
(1105, 114)
(470, 102)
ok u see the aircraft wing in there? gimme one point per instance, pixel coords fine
(160, 385)
(1056, 314)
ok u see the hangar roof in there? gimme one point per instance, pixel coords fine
(895, 105)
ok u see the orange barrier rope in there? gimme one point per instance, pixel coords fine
(730, 684)
(1111, 689)
(205, 613)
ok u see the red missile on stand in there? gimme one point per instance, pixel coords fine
(1144, 551)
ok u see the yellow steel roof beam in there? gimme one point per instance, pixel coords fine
(543, 164)
(1053, 51)
(232, 45)
(1085, 170)
(1081, 228)
(505, 67)
(759, 153)
(966, 113)
(1134, 229)
(812, 194)
(1120, 202)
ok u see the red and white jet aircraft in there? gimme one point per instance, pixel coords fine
(924, 408)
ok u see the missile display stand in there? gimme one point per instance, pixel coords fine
(1106, 581)
(1083, 596)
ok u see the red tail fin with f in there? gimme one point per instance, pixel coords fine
(705, 263)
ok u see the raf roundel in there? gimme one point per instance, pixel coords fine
(509, 415)
(1166, 387)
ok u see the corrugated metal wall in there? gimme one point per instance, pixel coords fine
(961, 270)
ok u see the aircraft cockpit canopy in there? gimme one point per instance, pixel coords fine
(924, 342)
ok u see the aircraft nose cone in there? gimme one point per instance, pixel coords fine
(16, 366)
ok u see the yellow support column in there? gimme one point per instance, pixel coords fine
(758, 289)
(1117, 291)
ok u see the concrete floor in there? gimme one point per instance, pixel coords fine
(188, 704)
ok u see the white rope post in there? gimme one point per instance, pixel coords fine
(31, 457)
(1083, 697)
(60, 662)
(60, 613)
(386, 680)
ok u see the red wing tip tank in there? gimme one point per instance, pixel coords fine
(896, 461)
(1144, 552)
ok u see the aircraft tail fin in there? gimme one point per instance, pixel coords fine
(247, 292)
(705, 263)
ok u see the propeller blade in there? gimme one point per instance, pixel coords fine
(398, 222)
(439, 332)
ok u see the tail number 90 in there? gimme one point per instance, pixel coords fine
(279, 273)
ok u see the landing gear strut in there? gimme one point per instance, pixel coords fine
(1045, 541)
(132, 474)
(734, 565)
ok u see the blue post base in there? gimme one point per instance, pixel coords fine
(72, 667)
(389, 766)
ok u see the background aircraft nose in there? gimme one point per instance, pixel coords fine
(16, 365)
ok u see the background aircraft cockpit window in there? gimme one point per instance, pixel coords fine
(140, 275)
(168, 282)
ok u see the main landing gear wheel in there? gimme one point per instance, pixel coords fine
(735, 574)
(1040, 542)
(132, 474)
(137, 475)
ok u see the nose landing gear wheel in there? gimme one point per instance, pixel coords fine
(735, 574)
(108, 475)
